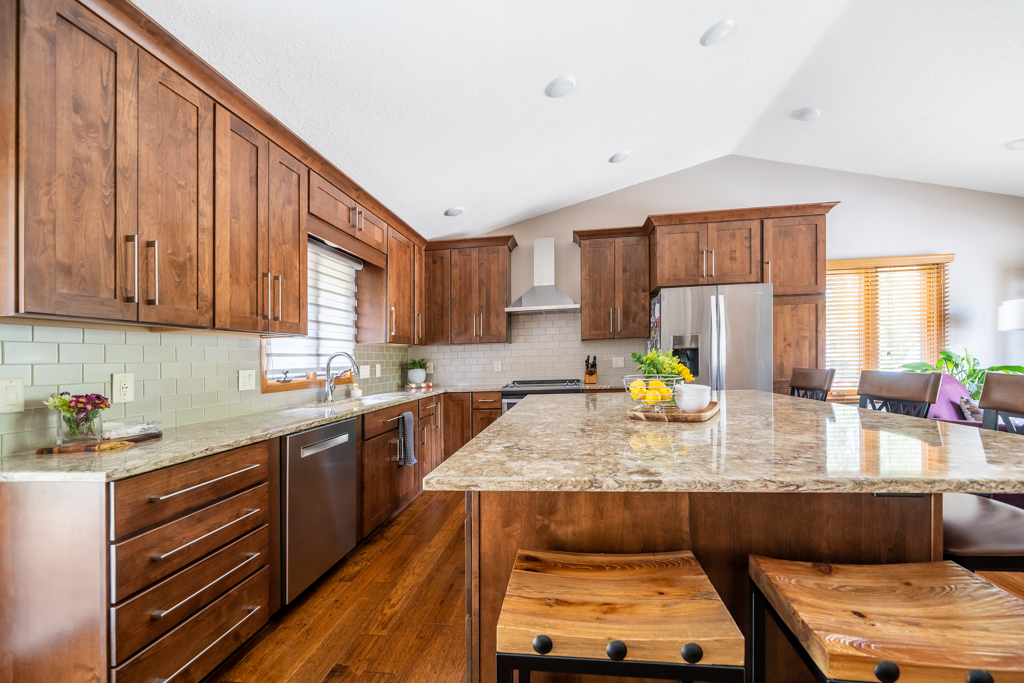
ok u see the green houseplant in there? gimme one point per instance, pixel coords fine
(417, 370)
(965, 368)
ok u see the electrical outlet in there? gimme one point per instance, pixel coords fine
(12, 395)
(497, 366)
(378, 369)
(246, 380)
(123, 387)
(430, 368)
(364, 371)
(617, 361)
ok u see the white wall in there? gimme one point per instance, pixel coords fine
(877, 217)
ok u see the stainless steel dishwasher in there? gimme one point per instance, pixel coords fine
(319, 487)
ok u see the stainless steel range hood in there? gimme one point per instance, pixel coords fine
(544, 296)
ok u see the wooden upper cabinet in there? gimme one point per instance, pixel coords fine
(597, 288)
(734, 252)
(336, 208)
(418, 294)
(79, 107)
(437, 300)
(287, 240)
(400, 289)
(632, 287)
(243, 295)
(480, 287)
(176, 131)
(494, 286)
(465, 296)
(794, 255)
(679, 255)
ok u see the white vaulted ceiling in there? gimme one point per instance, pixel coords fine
(433, 104)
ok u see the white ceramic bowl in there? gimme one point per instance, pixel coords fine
(692, 398)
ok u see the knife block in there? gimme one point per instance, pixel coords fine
(590, 377)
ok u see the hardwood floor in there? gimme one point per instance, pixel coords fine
(393, 611)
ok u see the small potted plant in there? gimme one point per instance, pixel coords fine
(417, 370)
(81, 416)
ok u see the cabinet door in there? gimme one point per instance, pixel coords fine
(418, 294)
(597, 288)
(175, 198)
(465, 295)
(632, 287)
(408, 480)
(331, 205)
(483, 418)
(377, 481)
(400, 295)
(798, 324)
(494, 286)
(372, 230)
(287, 240)
(79, 89)
(243, 281)
(680, 255)
(734, 252)
(438, 433)
(457, 421)
(425, 445)
(794, 255)
(437, 304)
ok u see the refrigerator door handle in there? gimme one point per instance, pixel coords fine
(722, 340)
(713, 367)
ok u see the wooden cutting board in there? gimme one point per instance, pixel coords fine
(110, 444)
(672, 414)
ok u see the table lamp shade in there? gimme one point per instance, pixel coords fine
(1011, 315)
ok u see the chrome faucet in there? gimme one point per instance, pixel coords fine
(329, 383)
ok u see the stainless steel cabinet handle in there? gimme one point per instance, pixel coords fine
(769, 272)
(252, 611)
(392, 321)
(419, 326)
(269, 297)
(161, 613)
(354, 217)
(359, 221)
(424, 443)
(280, 280)
(155, 301)
(712, 263)
(157, 499)
(611, 319)
(134, 298)
(164, 556)
(705, 253)
(321, 446)
(620, 320)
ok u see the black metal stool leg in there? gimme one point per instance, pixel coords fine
(504, 671)
(756, 634)
(524, 676)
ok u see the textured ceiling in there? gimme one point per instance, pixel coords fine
(428, 105)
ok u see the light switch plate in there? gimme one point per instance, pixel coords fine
(364, 370)
(430, 368)
(123, 388)
(12, 395)
(497, 366)
(617, 361)
(378, 369)
(246, 380)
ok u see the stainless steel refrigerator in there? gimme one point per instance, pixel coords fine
(723, 333)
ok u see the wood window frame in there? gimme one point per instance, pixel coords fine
(272, 386)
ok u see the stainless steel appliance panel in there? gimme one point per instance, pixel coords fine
(745, 337)
(319, 489)
(691, 310)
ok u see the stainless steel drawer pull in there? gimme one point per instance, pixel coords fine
(432, 405)
(252, 611)
(394, 418)
(134, 298)
(155, 301)
(321, 446)
(164, 556)
(157, 499)
(485, 400)
(161, 613)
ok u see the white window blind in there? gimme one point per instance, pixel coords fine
(882, 313)
(331, 317)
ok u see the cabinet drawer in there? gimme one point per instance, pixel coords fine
(142, 561)
(429, 406)
(488, 400)
(371, 230)
(385, 419)
(331, 205)
(151, 498)
(197, 646)
(135, 623)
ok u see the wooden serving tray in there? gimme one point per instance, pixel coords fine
(672, 414)
(97, 446)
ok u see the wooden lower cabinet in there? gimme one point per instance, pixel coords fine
(799, 337)
(457, 422)
(484, 418)
(377, 475)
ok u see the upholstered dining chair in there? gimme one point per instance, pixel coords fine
(905, 393)
(811, 383)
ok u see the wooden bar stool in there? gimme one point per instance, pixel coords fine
(906, 393)
(1011, 582)
(811, 383)
(646, 616)
(933, 622)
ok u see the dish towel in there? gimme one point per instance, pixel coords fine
(407, 429)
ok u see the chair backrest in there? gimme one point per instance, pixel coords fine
(811, 383)
(1003, 397)
(906, 393)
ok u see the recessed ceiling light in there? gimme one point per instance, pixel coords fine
(1016, 145)
(560, 87)
(806, 114)
(718, 32)
(619, 157)
(454, 211)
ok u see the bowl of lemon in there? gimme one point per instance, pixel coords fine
(655, 391)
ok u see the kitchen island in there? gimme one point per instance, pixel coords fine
(769, 475)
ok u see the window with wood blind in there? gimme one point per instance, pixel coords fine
(881, 313)
(331, 294)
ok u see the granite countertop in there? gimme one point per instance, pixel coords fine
(758, 442)
(181, 444)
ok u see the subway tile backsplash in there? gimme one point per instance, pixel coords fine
(544, 346)
(180, 379)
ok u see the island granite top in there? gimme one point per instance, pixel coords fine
(759, 442)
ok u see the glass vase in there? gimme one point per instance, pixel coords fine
(86, 429)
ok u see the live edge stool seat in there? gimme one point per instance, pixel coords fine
(931, 622)
(645, 616)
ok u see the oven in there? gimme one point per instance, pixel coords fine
(514, 392)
